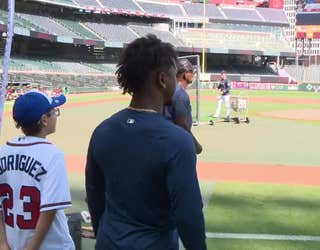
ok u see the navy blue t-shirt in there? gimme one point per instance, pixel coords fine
(142, 185)
(224, 86)
(180, 106)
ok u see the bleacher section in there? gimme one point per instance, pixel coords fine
(295, 71)
(77, 83)
(313, 74)
(196, 10)
(106, 68)
(301, 73)
(235, 31)
(171, 10)
(242, 70)
(62, 73)
(50, 66)
(217, 38)
(235, 40)
(48, 24)
(121, 4)
(240, 14)
(121, 34)
(77, 28)
(273, 15)
(163, 35)
(182, 8)
(112, 32)
(21, 22)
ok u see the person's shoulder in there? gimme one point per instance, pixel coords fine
(176, 135)
(106, 122)
(181, 94)
(52, 151)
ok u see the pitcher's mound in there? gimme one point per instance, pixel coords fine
(295, 114)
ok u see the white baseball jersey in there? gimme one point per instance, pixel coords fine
(33, 179)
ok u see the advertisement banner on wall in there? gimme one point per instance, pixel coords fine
(280, 87)
(260, 85)
(294, 87)
(251, 85)
(263, 86)
(240, 85)
(309, 87)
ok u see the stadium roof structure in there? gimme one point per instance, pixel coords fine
(145, 8)
(235, 42)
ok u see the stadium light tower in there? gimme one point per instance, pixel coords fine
(203, 37)
(6, 57)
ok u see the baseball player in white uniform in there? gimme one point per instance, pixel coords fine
(224, 88)
(33, 181)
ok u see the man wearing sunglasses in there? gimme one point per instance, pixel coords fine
(33, 180)
(179, 110)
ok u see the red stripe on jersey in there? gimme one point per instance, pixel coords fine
(26, 144)
(56, 204)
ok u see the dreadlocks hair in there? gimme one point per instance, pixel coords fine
(140, 58)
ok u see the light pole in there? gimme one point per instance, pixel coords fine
(6, 58)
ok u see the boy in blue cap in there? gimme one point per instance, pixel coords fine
(33, 181)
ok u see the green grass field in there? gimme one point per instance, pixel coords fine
(229, 207)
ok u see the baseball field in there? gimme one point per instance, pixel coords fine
(260, 181)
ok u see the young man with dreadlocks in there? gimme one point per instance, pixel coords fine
(141, 179)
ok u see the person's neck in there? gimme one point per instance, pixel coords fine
(43, 133)
(183, 83)
(39, 135)
(147, 102)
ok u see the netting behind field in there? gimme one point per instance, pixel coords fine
(193, 89)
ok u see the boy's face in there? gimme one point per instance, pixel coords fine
(50, 121)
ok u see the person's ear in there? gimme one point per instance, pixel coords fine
(44, 120)
(184, 76)
(162, 80)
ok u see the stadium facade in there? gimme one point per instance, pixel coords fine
(78, 42)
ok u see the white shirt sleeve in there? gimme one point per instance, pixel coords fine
(55, 191)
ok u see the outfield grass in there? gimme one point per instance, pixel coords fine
(263, 209)
(259, 209)
(229, 207)
(207, 107)
(222, 244)
(264, 141)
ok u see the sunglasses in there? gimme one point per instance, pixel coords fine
(55, 111)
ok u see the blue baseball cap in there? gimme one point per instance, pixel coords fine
(29, 107)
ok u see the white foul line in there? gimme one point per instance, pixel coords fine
(262, 236)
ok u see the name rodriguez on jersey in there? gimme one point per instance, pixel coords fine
(23, 163)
